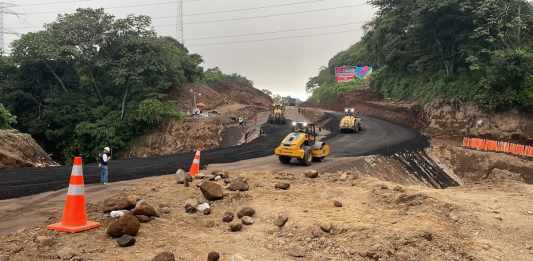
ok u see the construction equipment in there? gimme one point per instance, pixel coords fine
(303, 144)
(277, 116)
(351, 122)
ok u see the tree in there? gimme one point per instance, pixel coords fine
(7, 120)
(90, 80)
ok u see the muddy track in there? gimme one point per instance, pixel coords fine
(379, 137)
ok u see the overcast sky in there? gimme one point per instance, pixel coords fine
(274, 53)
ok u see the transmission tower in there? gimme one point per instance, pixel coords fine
(4, 9)
(179, 25)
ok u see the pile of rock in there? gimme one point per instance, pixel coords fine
(245, 216)
(127, 212)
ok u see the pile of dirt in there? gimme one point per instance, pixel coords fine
(314, 218)
(21, 150)
(243, 93)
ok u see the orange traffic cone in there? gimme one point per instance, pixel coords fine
(195, 167)
(74, 213)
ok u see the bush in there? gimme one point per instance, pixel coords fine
(7, 120)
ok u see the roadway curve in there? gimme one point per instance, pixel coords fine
(378, 137)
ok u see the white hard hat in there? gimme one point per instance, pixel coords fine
(107, 149)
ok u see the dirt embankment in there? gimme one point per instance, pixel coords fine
(223, 102)
(21, 150)
(371, 220)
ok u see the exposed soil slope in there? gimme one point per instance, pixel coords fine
(378, 220)
(21, 150)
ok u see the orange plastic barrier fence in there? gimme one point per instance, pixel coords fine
(498, 146)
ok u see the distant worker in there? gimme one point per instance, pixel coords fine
(241, 121)
(103, 160)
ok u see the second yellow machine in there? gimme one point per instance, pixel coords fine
(302, 144)
(351, 122)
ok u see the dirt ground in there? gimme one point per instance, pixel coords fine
(378, 220)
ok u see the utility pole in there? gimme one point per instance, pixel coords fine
(179, 26)
(4, 9)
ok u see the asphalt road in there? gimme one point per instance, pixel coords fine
(378, 137)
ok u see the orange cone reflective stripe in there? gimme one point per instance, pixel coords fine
(74, 212)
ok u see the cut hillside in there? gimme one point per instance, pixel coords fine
(225, 101)
(20, 150)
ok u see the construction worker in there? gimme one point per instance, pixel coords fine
(103, 160)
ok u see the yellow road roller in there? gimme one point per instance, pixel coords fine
(351, 122)
(302, 144)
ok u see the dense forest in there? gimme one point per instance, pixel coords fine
(477, 51)
(89, 80)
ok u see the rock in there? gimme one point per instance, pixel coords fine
(143, 218)
(427, 235)
(143, 208)
(246, 211)
(217, 178)
(202, 207)
(282, 185)
(246, 220)
(211, 190)
(326, 227)
(316, 231)
(311, 174)
(191, 205)
(213, 256)
(44, 241)
(337, 204)
(118, 203)
(210, 177)
(118, 213)
(399, 189)
(228, 217)
(296, 252)
(221, 173)
(412, 199)
(281, 220)
(235, 227)
(207, 211)
(66, 253)
(182, 177)
(239, 184)
(126, 241)
(127, 224)
(164, 256)
(165, 210)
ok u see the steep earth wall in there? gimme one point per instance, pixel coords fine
(21, 150)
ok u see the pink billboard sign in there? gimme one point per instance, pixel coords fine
(344, 74)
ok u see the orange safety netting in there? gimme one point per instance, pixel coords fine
(498, 146)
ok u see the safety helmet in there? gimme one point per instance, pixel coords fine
(107, 149)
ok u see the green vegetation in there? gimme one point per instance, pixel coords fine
(478, 51)
(6, 118)
(215, 75)
(89, 80)
(327, 93)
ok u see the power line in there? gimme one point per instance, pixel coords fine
(114, 7)
(54, 3)
(254, 8)
(274, 15)
(272, 32)
(275, 38)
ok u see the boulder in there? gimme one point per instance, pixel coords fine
(126, 241)
(143, 208)
(311, 174)
(143, 218)
(282, 185)
(228, 217)
(127, 224)
(246, 212)
(118, 203)
(211, 190)
(182, 177)
(246, 220)
(191, 205)
(164, 256)
(281, 220)
(337, 204)
(235, 227)
(239, 184)
(213, 256)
